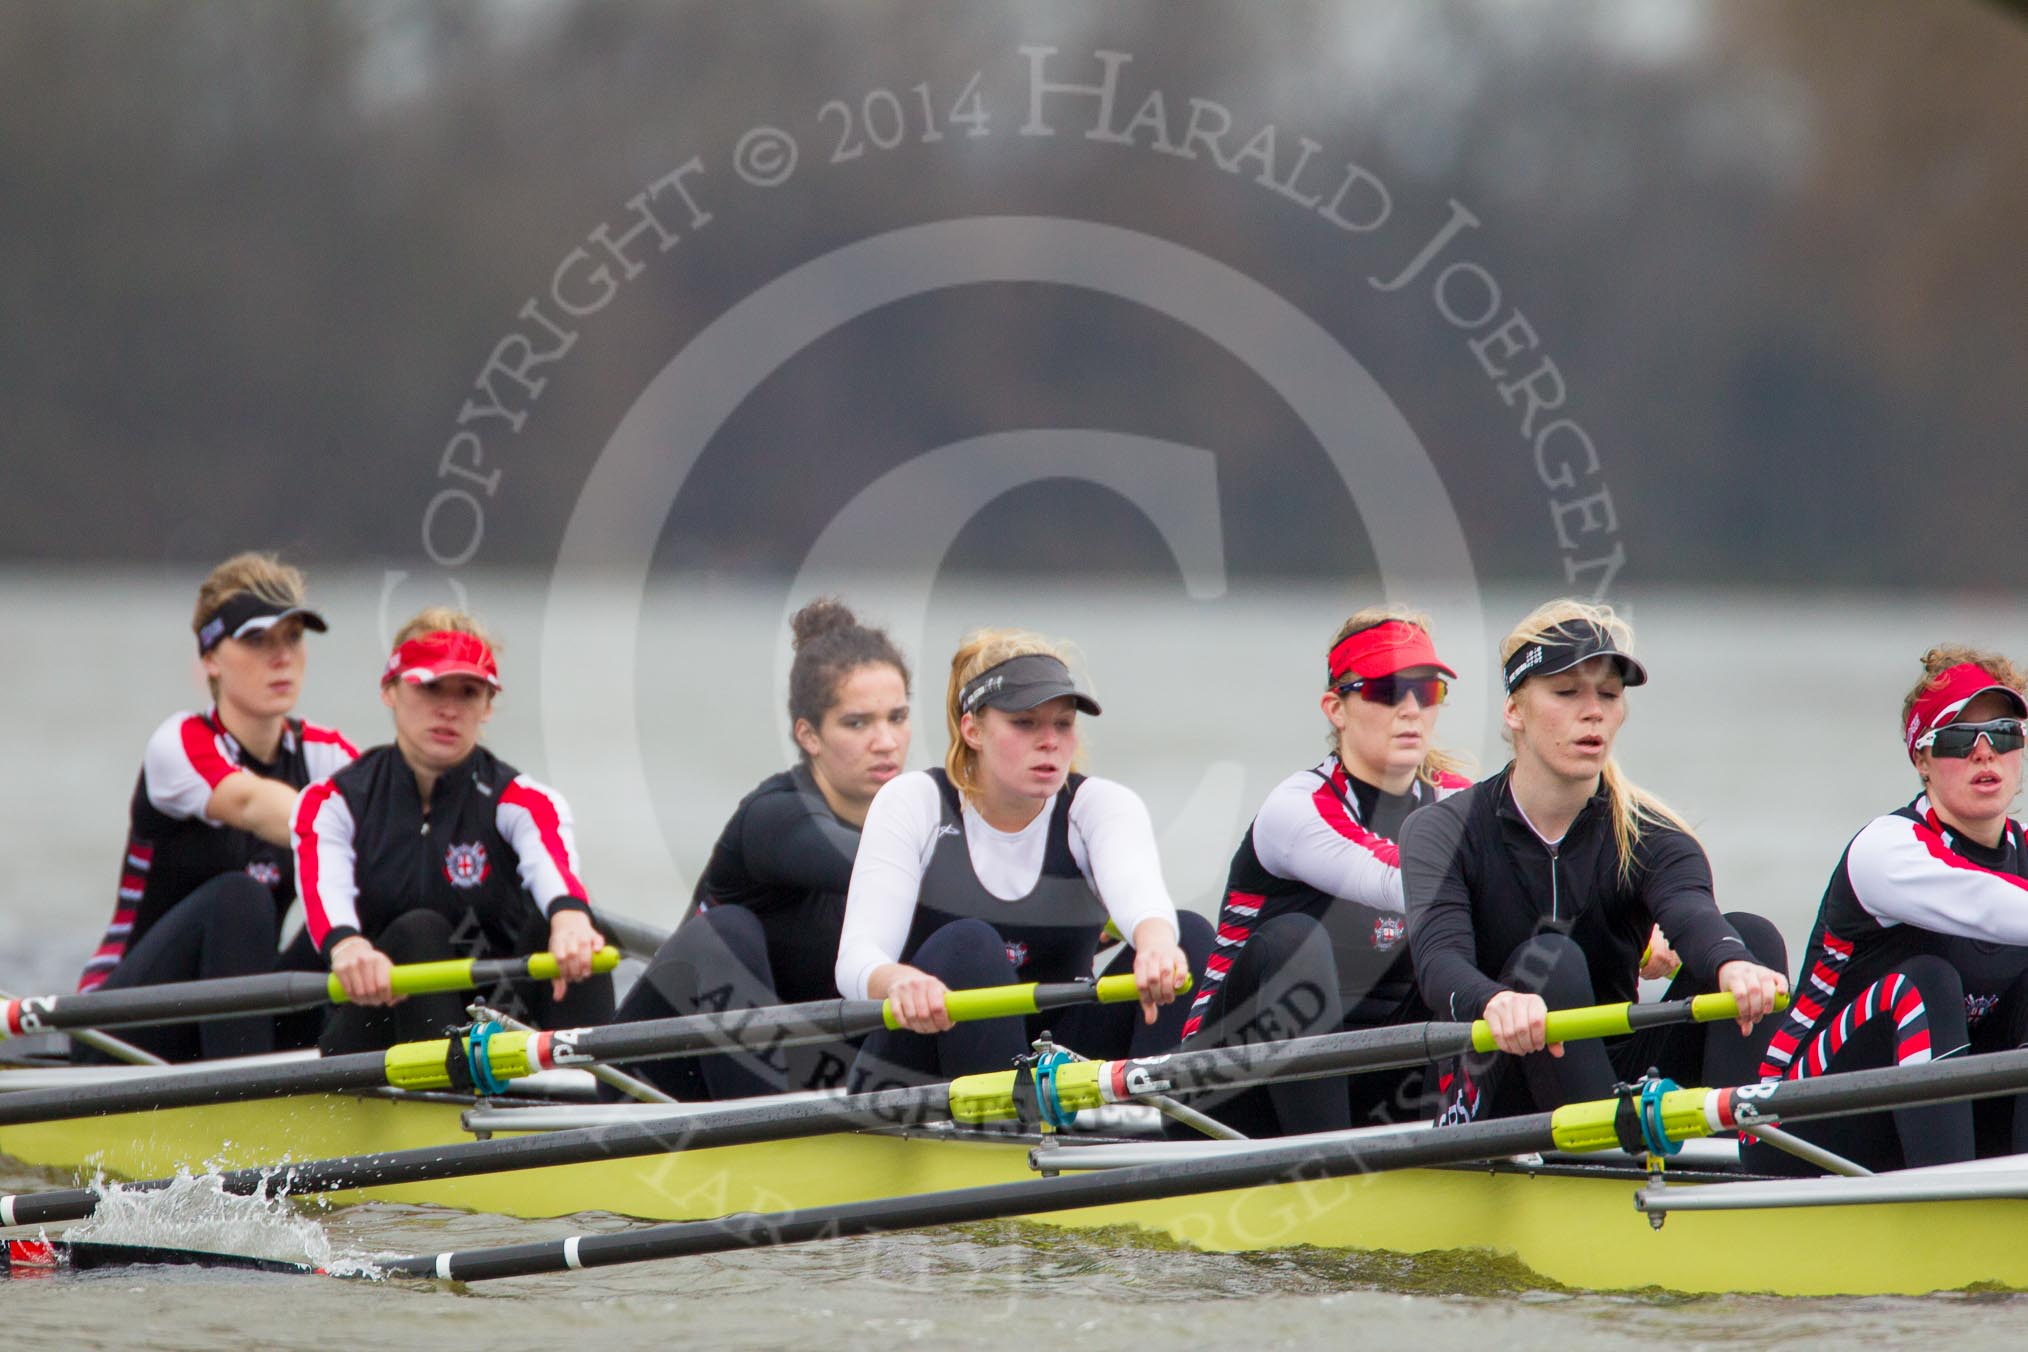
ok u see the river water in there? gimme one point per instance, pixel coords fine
(1770, 723)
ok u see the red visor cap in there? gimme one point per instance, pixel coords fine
(433, 656)
(1388, 647)
(1943, 704)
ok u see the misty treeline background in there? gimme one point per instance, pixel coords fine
(255, 254)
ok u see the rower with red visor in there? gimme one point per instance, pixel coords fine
(432, 847)
(1312, 933)
(1920, 948)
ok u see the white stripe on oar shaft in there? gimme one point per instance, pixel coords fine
(444, 1266)
(570, 1258)
(6, 1211)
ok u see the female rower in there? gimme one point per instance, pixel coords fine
(768, 911)
(206, 880)
(432, 847)
(1004, 867)
(1921, 944)
(1310, 933)
(1536, 889)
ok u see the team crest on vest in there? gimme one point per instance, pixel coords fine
(1017, 953)
(466, 865)
(265, 872)
(1387, 931)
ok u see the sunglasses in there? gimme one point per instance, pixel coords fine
(1429, 691)
(1954, 741)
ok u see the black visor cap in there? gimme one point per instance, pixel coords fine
(244, 613)
(1022, 683)
(1565, 647)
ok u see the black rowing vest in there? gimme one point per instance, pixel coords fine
(1051, 934)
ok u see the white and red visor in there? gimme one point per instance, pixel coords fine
(1945, 700)
(443, 652)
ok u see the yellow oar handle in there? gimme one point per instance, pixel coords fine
(462, 974)
(1001, 1002)
(1575, 1025)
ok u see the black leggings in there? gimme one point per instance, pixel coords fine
(1283, 984)
(1917, 1008)
(715, 961)
(1554, 967)
(967, 954)
(425, 936)
(225, 927)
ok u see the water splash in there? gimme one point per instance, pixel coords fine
(196, 1212)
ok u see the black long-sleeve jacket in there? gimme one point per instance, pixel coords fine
(1479, 883)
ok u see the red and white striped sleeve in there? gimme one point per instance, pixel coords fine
(325, 879)
(1303, 832)
(536, 822)
(185, 761)
(326, 751)
(1903, 872)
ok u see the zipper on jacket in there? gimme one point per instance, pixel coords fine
(1553, 903)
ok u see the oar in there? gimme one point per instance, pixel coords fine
(1682, 1114)
(266, 993)
(487, 1058)
(972, 1098)
(635, 938)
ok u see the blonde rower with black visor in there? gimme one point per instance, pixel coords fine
(1537, 889)
(1004, 866)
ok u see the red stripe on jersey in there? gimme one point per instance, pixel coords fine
(1332, 809)
(1233, 934)
(1842, 947)
(1218, 964)
(1448, 781)
(329, 737)
(312, 802)
(1914, 1046)
(538, 807)
(141, 852)
(1943, 854)
(1810, 1010)
(200, 747)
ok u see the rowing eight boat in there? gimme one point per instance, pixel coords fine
(1571, 1221)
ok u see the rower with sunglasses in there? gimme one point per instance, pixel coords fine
(1536, 889)
(1310, 934)
(1920, 949)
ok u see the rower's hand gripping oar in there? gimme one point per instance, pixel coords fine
(264, 993)
(486, 1058)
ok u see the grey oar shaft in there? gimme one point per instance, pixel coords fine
(190, 1087)
(1267, 1165)
(111, 1046)
(180, 1002)
(635, 938)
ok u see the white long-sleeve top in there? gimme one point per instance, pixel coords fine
(1112, 841)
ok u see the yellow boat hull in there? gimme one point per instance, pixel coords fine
(1579, 1231)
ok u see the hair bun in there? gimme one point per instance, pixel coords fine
(825, 615)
